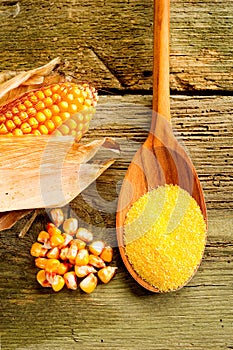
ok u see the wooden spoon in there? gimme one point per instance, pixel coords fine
(161, 159)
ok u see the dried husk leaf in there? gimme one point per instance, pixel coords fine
(8, 219)
(14, 87)
(53, 172)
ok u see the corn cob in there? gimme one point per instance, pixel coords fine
(60, 109)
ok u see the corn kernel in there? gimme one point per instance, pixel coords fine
(10, 125)
(52, 229)
(57, 216)
(107, 254)
(80, 244)
(63, 268)
(41, 278)
(33, 122)
(17, 132)
(48, 102)
(63, 253)
(43, 237)
(106, 273)
(84, 235)
(39, 105)
(40, 117)
(70, 226)
(71, 280)
(89, 283)
(64, 129)
(41, 262)
(82, 257)
(83, 271)
(67, 240)
(96, 261)
(37, 250)
(56, 239)
(58, 283)
(72, 252)
(52, 265)
(53, 253)
(96, 247)
(26, 128)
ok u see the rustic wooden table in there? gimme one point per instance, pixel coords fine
(109, 43)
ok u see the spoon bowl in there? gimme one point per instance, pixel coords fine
(161, 159)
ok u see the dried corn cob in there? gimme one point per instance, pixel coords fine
(60, 109)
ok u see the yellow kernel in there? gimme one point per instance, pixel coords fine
(89, 283)
(43, 237)
(15, 110)
(72, 252)
(10, 125)
(49, 125)
(36, 132)
(40, 262)
(70, 226)
(48, 102)
(63, 253)
(83, 271)
(52, 265)
(40, 95)
(79, 243)
(71, 280)
(41, 118)
(56, 240)
(27, 103)
(31, 112)
(70, 97)
(37, 250)
(72, 108)
(43, 130)
(96, 247)
(47, 112)
(63, 268)
(33, 98)
(63, 106)
(96, 261)
(48, 92)
(23, 116)
(17, 132)
(39, 105)
(33, 122)
(17, 121)
(65, 115)
(9, 115)
(41, 278)
(55, 87)
(21, 107)
(82, 258)
(52, 229)
(3, 129)
(58, 283)
(107, 254)
(53, 253)
(26, 128)
(84, 234)
(57, 120)
(106, 273)
(56, 98)
(55, 109)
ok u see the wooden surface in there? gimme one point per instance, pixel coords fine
(110, 44)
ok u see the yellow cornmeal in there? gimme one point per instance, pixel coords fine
(165, 235)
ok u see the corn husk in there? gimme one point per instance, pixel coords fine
(45, 172)
(42, 171)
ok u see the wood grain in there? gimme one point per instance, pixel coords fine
(109, 43)
(121, 315)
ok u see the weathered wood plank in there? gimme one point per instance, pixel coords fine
(109, 43)
(120, 315)
(204, 125)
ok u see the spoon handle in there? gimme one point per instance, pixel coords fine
(161, 90)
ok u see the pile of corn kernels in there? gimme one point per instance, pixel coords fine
(67, 255)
